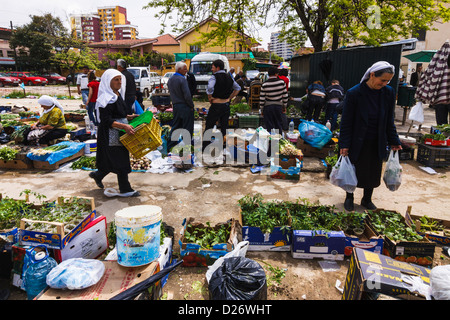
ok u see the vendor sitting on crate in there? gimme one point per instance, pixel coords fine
(51, 125)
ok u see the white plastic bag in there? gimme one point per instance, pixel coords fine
(76, 273)
(416, 113)
(440, 282)
(239, 251)
(392, 176)
(343, 175)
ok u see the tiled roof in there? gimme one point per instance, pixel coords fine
(166, 40)
(122, 43)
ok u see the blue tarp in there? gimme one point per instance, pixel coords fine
(53, 157)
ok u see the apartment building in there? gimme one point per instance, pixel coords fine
(279, 47)
(108, 23)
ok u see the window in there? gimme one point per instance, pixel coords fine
(195, 49)
(144, 74)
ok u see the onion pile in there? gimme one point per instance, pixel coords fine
(140, 164)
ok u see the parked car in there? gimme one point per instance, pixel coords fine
(7, 80)
(165, 78)
(28, 78)
(69, 78)
(54, 78)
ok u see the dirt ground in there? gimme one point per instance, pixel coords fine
(211, 194)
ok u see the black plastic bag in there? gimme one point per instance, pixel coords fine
(238, 278)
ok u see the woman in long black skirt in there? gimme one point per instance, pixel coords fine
(112, 156)
(367, 128)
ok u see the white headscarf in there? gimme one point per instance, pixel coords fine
(48, 101)
(380, 65)
(106, 95)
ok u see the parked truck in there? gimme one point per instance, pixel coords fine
(200, 66)
(146, 80)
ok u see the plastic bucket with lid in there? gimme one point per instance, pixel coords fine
(90, 146)
(138, 235)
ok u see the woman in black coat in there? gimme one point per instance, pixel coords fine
(112, 156)
(367, 128)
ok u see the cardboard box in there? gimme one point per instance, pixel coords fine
(310, 151)
(278, 240)
(370, 274)
(419, 252)
(368, 241)
(194, 255)
(310, 244)
(55, 240)
(291, 173)
(91, 243)
(115, 280)
(439, 237)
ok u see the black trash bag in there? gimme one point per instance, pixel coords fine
(238, 278)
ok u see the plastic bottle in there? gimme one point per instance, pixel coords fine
(328, 125)
(87, 124)
(35, 275)
(291, 127)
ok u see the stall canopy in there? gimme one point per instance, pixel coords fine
(421, 56)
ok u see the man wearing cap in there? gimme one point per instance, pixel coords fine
(130, 86)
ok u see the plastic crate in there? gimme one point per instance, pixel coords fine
(147, 138)
(433, 156)
(249, 122)
(160, 100)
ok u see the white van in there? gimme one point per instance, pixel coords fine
(200, 66)
(146, 81)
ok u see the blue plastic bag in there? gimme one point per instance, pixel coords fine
(315, 134)
(138, 108)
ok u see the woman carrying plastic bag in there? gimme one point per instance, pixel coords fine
(392, 176)
(343, 175)
(367, 128)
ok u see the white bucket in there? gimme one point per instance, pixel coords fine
(138, 235)
(90, 146)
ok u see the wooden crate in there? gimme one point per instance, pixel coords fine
(17, 164)
(47, 166)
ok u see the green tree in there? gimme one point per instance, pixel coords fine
(37, 40)
(342, 21)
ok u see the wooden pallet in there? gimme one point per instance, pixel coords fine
(47, 166)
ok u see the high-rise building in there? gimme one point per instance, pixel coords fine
(86, 27)
(279, 47)
(109, 23)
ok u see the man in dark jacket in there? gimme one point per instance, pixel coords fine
(130, 89)
(415, 76)
(183, 106)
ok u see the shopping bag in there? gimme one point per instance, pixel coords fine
(416, 113)
(138, 108)
(315, 134)
(392, 176)
(343, 175)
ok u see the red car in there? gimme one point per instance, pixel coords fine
(54, 78)
(28, 78)
(7, 80)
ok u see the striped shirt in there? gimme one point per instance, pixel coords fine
(273, 92)
(443, 90)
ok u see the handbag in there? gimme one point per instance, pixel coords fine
(416, 113)
(114, 134)
(343, 175)
(392, 176)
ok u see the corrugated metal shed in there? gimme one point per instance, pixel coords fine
(347, 65)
